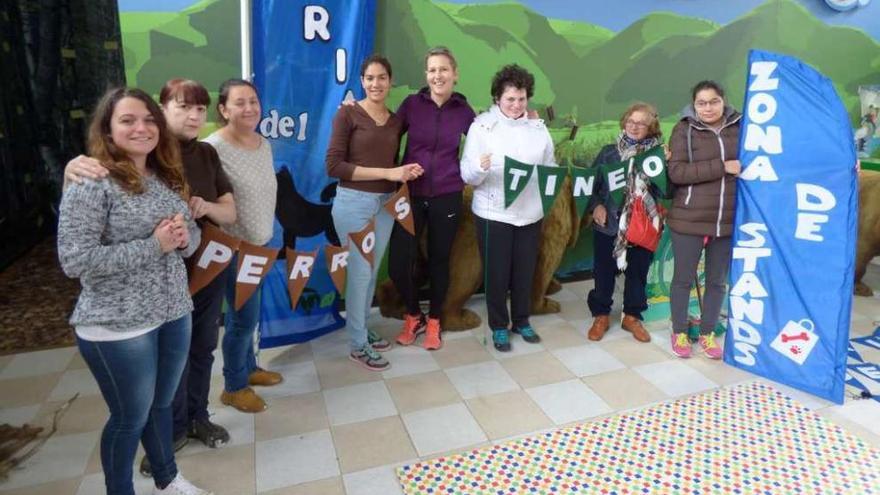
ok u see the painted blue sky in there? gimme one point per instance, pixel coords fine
(624, 12)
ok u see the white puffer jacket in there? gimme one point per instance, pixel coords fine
(526, 140)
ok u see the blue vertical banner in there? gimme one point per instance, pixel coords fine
(306, 57)
(794, 242)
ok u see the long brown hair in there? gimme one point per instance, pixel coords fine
(164, 160)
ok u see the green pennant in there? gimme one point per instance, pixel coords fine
(583, 186)
(653, 163)
(549, 182)
(614, 175)
(516, 178)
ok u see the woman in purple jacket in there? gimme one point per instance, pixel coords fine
(435, 119)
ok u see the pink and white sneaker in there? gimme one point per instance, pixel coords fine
(710, 348)
(681, 345)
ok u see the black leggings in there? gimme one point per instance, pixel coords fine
(440, 215)
(509, 256)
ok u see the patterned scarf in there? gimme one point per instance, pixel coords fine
(637, 185)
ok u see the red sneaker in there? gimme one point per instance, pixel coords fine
(412, 327)
(432, 336)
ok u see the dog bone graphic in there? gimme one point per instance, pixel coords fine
(800, 336)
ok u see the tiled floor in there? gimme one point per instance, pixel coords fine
(333, 428)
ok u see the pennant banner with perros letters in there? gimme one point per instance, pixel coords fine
(797, 204)
(517, 176)
(217, 248)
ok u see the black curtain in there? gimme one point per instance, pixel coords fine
(58, 57)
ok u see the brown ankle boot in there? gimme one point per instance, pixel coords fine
(600, 326)
(245, 400)
(634, 326)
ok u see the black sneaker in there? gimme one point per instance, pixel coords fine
(210, 434)
(147, 471)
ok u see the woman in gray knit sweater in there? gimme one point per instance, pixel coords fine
(125, 239)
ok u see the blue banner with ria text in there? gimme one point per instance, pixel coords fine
(791, 275)
(306, 57)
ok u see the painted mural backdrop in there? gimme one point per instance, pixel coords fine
(590, 59)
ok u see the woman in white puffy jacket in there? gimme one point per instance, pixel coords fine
(508, 237)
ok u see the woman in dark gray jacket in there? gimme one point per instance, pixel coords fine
(704, 167)
(639, 131)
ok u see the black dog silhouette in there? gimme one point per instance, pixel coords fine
(300, 218)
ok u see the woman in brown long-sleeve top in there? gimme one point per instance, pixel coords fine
(362, 154)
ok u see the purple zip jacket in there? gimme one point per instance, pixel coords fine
(433, 138)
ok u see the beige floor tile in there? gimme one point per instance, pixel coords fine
(460, 352)
(328, 486)
(624, 389)
(540, 368)
(573, 310)
(280, 356)
(4, 360)
(342, 372)
(559, 334)
(77, 362)
(372, 443)
(422, 391)
(717, 371)
(86, 413)
(293, 415)
(63, 487)
(631, 352)
(94, 464)
(224, 471)
(29, 390)
(507, 414)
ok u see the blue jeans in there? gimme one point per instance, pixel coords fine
(138, 378)
(352, 210)
(238, 334)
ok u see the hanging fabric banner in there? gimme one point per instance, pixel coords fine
(213, 256)
(516, 178)
(306, 58)
(797, 202)
(615, 175)
(299, 265)
(549, 182)
(337, 261)
(653, 163)
(365, 241)
(254, 262)
(400, 207)
(583, 181)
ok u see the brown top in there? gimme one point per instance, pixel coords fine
(203, 172)
(705, 196)
(358, 141)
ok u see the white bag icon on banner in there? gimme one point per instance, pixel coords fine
(796, 340)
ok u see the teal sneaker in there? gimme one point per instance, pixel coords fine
(501, 339)
(528, 334)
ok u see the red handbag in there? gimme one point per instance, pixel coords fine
(640, 230)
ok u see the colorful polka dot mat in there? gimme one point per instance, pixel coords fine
(741, 440)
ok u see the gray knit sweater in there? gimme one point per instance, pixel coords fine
(105, 238)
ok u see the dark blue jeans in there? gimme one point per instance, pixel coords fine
(238, 334)
(638, 263)
(138, 378)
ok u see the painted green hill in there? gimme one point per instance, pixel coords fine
(582, 36)
(848, 56)
(406, 29)
(194, 43)
(601, 68)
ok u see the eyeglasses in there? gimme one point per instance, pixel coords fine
(637, 125)
(711, 103)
